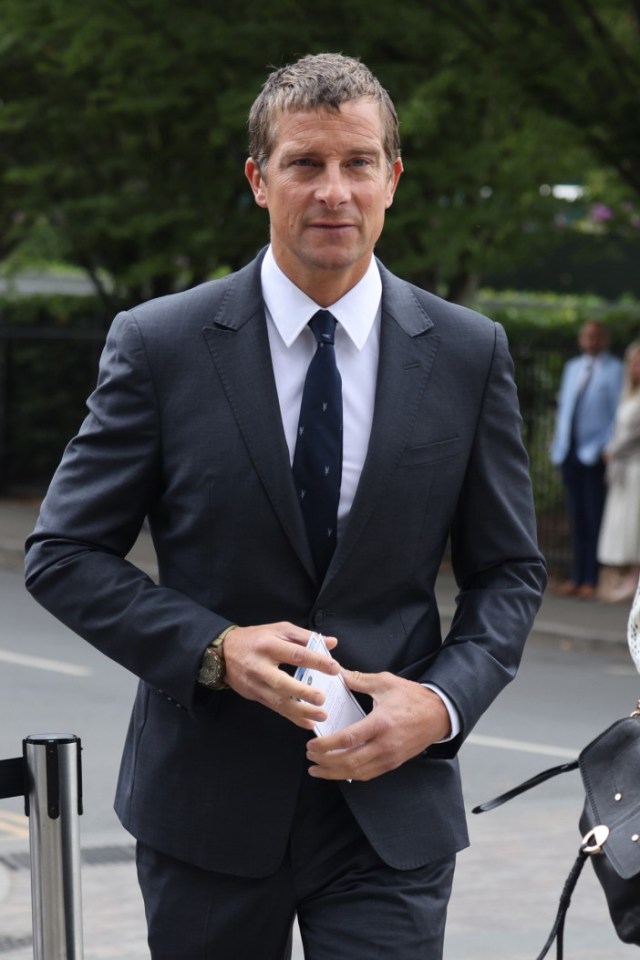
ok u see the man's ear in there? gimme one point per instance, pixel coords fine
(258, 185)
(396, 171)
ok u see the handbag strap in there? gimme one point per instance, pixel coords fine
(527, 785)
(557, 930)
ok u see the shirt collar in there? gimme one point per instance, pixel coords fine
(291, 309)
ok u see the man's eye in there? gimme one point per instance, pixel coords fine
(303, 162)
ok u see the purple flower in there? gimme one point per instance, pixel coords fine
(600, 213)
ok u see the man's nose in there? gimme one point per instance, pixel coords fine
(333, 187)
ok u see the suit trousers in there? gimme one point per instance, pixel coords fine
(585, 491)
(350, 905)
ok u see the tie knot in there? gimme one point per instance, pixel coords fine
(323, 325)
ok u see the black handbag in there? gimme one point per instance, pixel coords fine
(609, 825)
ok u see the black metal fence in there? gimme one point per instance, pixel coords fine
(35, 424)
(538, 372)
(37, 421)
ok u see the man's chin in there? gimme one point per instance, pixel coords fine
(333, 259)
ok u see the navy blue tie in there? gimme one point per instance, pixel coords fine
(317, 461)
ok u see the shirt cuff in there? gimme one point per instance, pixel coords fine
(451, 710)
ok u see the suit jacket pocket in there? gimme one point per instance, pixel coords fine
(431, 452)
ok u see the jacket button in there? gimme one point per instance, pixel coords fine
(319, 618)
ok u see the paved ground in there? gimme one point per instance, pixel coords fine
(484, 922)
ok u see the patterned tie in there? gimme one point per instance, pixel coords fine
(317, 461)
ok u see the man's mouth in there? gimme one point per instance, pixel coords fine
(331, 226)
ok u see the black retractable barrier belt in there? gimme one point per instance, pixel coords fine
(12, 778)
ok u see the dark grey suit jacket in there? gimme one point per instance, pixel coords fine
(184, 427)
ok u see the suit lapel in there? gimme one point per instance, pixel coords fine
(239, 346)
(408, 347)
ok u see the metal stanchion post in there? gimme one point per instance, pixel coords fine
(54, 802)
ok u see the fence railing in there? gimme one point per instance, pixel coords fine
(538, 373)
(46, 373)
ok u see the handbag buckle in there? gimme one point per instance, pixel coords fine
(594, 840)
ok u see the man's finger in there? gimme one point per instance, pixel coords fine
(361, 682)
(298, 655)
(302, 714)
(348, 739)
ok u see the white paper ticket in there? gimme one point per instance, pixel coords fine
(340, 705)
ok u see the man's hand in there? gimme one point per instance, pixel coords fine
(405, 720)
(253, 656)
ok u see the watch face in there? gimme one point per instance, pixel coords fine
(213, 673)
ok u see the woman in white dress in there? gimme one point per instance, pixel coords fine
(633, 630)
(619, 543)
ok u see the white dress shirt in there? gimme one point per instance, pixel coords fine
(357, 345)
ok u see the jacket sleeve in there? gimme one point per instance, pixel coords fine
(498, 567)
(76, 562)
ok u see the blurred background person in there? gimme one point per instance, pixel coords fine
(587, 402)
(633, 630)
(619, 543)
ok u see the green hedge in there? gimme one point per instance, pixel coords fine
(49, 347)
(60, 311)
(553, 320)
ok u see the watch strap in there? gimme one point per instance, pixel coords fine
(219, 640)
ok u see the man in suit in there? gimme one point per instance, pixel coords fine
(589, 394)
(244, 819)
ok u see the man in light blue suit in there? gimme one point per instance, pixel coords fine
(589, 394)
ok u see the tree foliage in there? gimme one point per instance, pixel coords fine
(576, 59)
(123, 128)
(477, 157)
(125, 135)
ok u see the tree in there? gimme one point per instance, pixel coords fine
(123, 128)
(478, 157)
(576, 59)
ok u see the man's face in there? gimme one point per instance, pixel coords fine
(592, 339)
(326, 187)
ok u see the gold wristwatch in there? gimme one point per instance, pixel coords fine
(213, 668)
